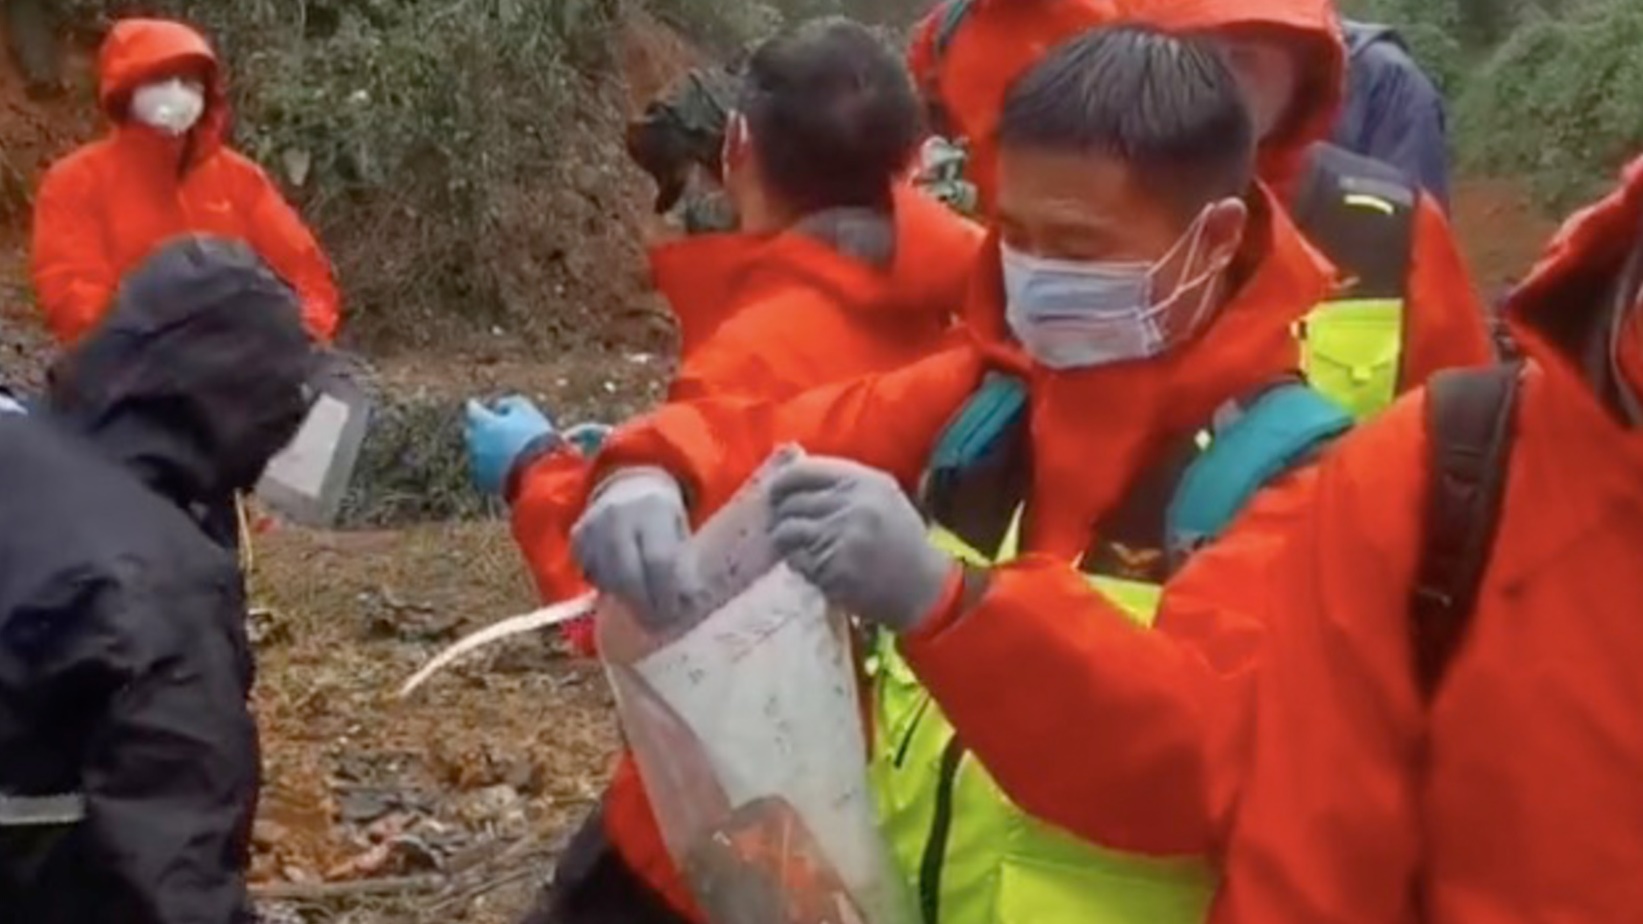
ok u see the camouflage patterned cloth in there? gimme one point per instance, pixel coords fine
(707, 211)
(941, 174)
(683, 132)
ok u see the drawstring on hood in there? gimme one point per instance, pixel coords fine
(196, 377)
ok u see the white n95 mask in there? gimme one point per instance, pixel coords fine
(171, 106)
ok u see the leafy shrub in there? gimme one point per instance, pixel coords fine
(421, 139)
(723, 27)
(1557, 102)
(413, 466)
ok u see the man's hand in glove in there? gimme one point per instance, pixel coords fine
(498, 436)
(629, 544)
(851, 531)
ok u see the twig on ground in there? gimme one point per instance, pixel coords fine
(467, 896)
(327, 891)
(455, 890)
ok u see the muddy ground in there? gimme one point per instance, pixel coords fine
(449, 807)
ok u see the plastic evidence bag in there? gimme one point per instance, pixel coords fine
(745, 723)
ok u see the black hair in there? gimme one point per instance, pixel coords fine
(1168, 106)
(833, 115)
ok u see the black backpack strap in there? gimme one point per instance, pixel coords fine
(1361, 213)
(1470, 416)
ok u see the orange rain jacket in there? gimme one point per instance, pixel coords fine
(1447, 321)
(106, 206)
(1081, 466)
(771, 317)
(995, 43)
(762, 317)
(1273, 720)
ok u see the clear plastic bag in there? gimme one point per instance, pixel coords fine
(747, 730)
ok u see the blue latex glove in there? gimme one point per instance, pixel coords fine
(588, 437)
(630, 544)
(850, 531)
(496, 436)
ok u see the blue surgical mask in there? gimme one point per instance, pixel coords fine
(1070, 315)
(1073, 314)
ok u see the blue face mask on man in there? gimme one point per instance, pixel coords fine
(1073, 314)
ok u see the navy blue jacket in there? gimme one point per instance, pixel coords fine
(1393, 112)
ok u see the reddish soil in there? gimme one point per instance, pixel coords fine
(653, 57)
(1500, 229)
(33, 133)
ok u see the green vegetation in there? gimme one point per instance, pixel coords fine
(1539, 89)
(1557, 104)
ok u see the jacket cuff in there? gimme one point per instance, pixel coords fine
(956, 596)
(539, 446)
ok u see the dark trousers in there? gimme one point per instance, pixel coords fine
(593, 885)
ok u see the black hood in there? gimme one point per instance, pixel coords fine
(197, 375)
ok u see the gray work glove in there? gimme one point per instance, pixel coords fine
(850, 531)
(629, 543)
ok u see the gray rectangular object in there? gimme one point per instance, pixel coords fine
(306, 481)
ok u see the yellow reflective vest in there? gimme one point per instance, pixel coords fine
(968, 853)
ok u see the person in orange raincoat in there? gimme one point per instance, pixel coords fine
(839, 269)
(163, 171)
(827, 298)
(964, 54)
(1292, 60)
(1358, 727)
(1142, 282)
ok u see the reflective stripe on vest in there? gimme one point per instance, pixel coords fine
(997, 865)
(41, 811)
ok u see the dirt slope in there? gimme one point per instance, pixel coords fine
(1500, 230)
(32, 134)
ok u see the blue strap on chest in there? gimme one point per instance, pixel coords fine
(979, 426)
(1257, 442)
(952, 15)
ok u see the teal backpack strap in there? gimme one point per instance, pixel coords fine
(1253, 442)
(978, 470)
(952, 15)
(988, 414)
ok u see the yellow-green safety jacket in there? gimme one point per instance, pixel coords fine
(967, 852)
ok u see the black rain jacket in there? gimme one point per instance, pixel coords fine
(125, 670)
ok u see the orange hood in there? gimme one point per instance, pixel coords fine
(139, 50)
(1553, 311)
(997, 43)
(707, 278)
(1315, 34)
